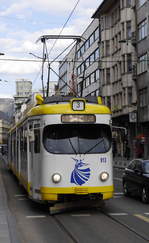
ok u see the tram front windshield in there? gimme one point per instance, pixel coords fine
(77, 138)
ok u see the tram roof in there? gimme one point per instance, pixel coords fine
(62, 105)
(59, 99)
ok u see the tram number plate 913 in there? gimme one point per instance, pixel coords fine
(78, 105)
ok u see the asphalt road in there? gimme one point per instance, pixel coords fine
(123, 219)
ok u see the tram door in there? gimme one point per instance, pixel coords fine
(34, 158)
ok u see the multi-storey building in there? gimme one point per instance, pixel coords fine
(67, 77)
(6, 118)
(23, 91)
(80, 68)
(4, 127)
(118, 61)
(142, 34)
(113, 62)
(87, 65)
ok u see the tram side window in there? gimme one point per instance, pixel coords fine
(37, 141)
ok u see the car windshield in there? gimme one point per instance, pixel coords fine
(77, 138)
(146, 167)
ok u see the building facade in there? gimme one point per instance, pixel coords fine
(113, 61)
(80, 68)
(118, 62)
(23, 91)
(87, 61)
(6, 118)
(142, 34)
(4, 128)
(67, 70)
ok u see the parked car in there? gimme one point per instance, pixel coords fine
(136, 179)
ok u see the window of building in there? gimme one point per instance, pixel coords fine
(96, 54)
(129, 95)
(82, 50)
(128, 30)
(78, 71)
(96, 34)
(129, 63)
(122, 3)
(108, 77)
(103, 76)
(87, 62)
(141, 2)
(116, 42)
(87, 81)
(123, 31)
(97, 74)
(142, 29)
(102, 49)
(143, 97)
(107, 48)
(92, 78)
(92, 58)
(78, 54)
(87, 44)
(142, 63)
(82, 67)
(91, 39)
(128, 3)
(79, 89)
(123, 64)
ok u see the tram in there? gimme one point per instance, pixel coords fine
(61, 149)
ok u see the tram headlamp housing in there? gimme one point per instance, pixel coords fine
(56, 178)
(104, 176)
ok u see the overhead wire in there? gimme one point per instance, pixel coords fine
(46, 54)
(49, 63)
(60, 60)
(71, 13)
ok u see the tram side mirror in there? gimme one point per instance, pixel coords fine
(31, 136)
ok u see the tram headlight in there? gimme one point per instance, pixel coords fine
(56, 178)
(104, 176)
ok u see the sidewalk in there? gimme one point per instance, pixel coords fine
(7, 223)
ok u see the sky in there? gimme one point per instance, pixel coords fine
(23, 22)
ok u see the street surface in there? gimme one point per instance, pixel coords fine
(123, 219)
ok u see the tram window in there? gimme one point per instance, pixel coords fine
(37, 141)
(77, 138)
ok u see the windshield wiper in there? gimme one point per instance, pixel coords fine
(72, 146)
(102, 139)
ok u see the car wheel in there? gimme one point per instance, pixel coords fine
(125, 189)
(144, 195)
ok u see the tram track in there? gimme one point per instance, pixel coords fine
(65, 229)
(71, 235)
(74, 239)
(131, 229)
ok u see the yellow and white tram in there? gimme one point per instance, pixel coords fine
(61, 149)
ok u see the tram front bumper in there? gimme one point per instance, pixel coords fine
(73, 193)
